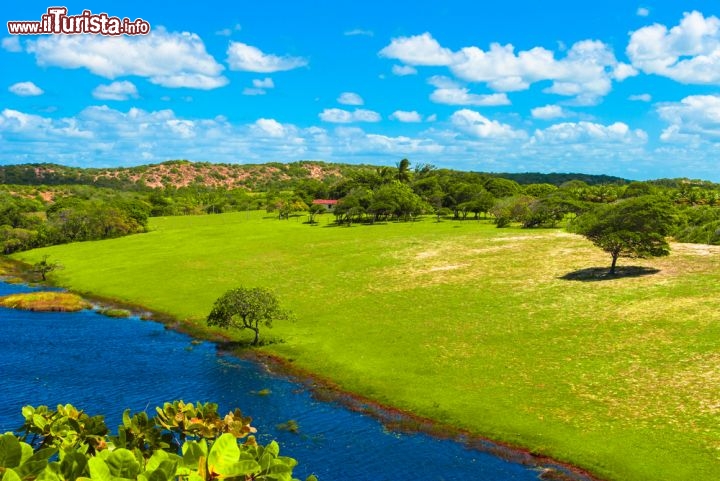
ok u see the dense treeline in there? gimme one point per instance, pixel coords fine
(401, 194)
(76, 214)
(34, 216)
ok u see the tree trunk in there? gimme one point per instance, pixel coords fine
(257, 335)
(612, 266)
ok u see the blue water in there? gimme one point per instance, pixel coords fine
(104, 365)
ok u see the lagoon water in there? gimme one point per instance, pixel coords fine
(104, 365)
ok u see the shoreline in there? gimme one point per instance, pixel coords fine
(325, 389)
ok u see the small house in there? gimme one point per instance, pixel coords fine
(329, 204)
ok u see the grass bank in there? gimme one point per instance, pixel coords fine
(461, 322)
(45, 302)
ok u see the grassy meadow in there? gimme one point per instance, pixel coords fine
(461, 322)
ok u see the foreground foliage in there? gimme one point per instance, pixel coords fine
(182, 441)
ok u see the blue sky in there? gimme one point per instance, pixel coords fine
(613, 87)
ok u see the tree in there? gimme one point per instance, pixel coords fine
(629, 228)
(247, 308)
(44, 267)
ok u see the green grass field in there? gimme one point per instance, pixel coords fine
(464, 323)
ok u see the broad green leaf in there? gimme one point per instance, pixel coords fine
(73, 465)
(224, 452)
(11, 475)
(241, 468)
(26, 452)
(99, 471)
(193, 451)
(273, 448)
(51, 473)
(10, 451)
(31, 469)
(122, 464)
(41, 454)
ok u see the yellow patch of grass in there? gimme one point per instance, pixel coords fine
(45, 301)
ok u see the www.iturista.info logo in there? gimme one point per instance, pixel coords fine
(57, 21)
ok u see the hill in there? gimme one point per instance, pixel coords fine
(254, 177)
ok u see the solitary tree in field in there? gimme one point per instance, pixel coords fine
(629, 228)
(247, 308)
(44, 267)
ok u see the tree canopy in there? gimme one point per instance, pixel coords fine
(247, 308)
(634, 227)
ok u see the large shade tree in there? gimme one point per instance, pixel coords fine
(629, 228)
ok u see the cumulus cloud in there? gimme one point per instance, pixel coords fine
(26, 89)
(579, 132)
(170, 59)
(473, 123)
(340, 116)
(40, 128)
(123, 90)
(11, 44)
(270, 127)
(350, 98)
(688, 53)
(241, 56)
(462, 96)
(585, 72)
(640, 98)
(548, 112)
(693, 117)
(402, 70)
(418, 50)
(404, 116)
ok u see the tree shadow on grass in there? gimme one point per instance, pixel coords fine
(594, 274)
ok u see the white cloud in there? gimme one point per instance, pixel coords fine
(461, 96)
(11, 44)
(418, 50)
(402, 70)
(241, 56)
(226, 32)
(266, 83)
(548, 112)
(350, 98)
(26, 89)
(340, 116)
(404, 116)
(270, 127)
(586, 71)
(472, 122)
(589, 132)
(169, 59)
(359, 31)
(431, 118)
(642, 12)
(41, 128)
(688, 53)
(253, 91)
(640, 98)
(116, 91)
(623, 71)
(696, 115)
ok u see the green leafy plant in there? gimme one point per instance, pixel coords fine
(183, 441)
